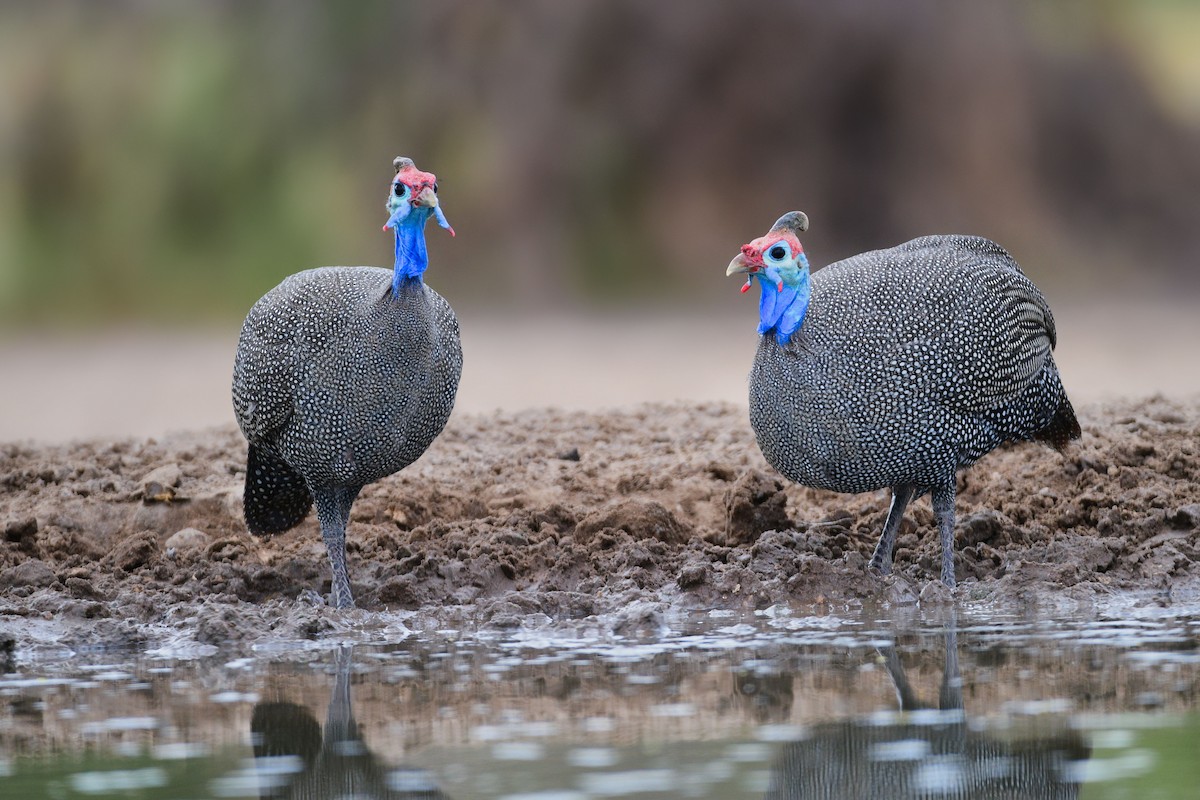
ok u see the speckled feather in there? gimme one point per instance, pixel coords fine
(911, 363)
(337, 384)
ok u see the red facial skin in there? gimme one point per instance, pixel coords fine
(753, 251)
(415, 179)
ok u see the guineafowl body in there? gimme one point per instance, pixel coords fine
(898, 367)
(343, 376)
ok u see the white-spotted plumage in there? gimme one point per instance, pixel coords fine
(339, 381)
(910, 363)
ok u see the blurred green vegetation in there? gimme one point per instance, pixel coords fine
(173, 161)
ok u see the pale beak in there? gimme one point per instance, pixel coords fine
(739, 264)
(427, 198)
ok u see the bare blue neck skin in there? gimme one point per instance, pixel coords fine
(412, 258)
(782, 310)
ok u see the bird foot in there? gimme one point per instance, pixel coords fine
(341, 598)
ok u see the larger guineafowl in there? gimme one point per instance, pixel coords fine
(895, 368)
(343, 376)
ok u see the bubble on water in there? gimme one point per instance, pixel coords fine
(413, 781)
(132, 723)
(598, 725)
(518, 751)
(749, 752)
(119, 780)
(593, 757)
(631, 782)
(179, 751)
(234, 697)
(1129, 764)
(782, 733)
(940, 775)
(673, 710)
(900, 750)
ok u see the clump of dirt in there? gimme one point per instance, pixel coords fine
(571, 515)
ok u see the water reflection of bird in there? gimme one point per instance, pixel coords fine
(895, 368)
(334, 763)
(937, 757)
(343, 376)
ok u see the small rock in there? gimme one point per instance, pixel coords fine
(982, 526)
(569, 455)
(400, 592)
(82, 587)
(160, 485)
(34, 573)
(936, 593)
(8, 654)
(134, 552)
(1186, 518)
(639, 618)
(692, 574)
(23, 533)
(754, 504)
(641, 519)
(186, 542)
(20, 529)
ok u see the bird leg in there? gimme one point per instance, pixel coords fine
(943, 510)
(333, 512)
(881, 560)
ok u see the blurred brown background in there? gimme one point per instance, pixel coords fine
(164, 164)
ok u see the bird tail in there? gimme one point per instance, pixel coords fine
(276, 498)
(1063, 427)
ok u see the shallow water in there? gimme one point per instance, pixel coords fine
(771, 705)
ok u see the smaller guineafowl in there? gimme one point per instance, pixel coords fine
(896, 368)
(343, 376)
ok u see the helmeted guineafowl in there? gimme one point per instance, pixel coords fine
(343, 376)
(897, 367)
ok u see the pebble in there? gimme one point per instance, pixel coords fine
(34, 572)
(186, 541)
(159, 485)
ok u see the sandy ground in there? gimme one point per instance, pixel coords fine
(626, 515)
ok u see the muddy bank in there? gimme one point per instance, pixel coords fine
(545, 515)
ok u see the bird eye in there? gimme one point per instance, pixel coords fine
(777, 253)
(400, 189)
(435, 188)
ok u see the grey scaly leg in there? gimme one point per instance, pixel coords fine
(881, 560)
(943, 510)
(333, 512)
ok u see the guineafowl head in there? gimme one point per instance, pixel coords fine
(777, 262)
(412, 200)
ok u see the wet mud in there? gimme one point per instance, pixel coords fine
(549, 517)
